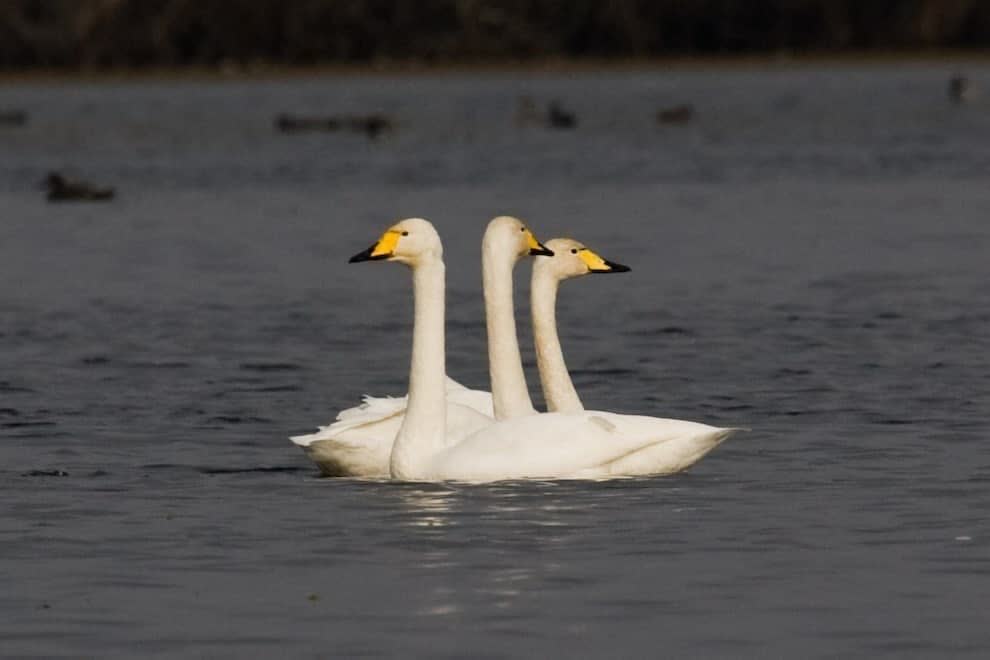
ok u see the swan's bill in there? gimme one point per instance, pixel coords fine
(536, 249)
(597, 264)
(382, 249)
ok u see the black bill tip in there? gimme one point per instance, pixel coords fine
(614, 267)
(542, 251)
(365, 255)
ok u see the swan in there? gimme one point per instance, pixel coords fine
(587, 444)
(570, 259)
(359, 442)
(573, 259)
(504, 243)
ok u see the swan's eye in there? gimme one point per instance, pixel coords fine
(522, 229)
(573, 250)
(405, 233)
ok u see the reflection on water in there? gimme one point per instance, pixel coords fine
(426, 508)
(445, 516)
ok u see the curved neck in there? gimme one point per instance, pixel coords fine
(510, 396)
(422, 432)
(558, 390)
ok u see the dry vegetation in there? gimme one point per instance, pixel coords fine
(99, 34)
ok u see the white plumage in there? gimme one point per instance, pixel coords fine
(359, 442)
(586, 445)
(583, 444)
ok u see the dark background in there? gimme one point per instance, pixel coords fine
(115, 34)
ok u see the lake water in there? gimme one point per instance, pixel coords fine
(810, 259)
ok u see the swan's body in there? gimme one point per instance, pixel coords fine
(585, 445)
(689, 441)
(551, 445)
(359, 443)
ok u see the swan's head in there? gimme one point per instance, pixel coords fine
(514, 237)
(408, 241)
(573, 259)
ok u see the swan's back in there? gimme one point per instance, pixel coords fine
(359, 443)
(591, 444)
(382, 415)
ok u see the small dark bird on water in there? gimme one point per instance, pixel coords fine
(960, 88)
(678, 114)
(555, 116)
(371, 125)
(13, 118)
(61, 189)
(558, 117)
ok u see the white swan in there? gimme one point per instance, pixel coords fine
(359, 443)
(586, 444)
(570, 259)
(573, 259)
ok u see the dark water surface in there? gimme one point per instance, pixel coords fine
(810, 259)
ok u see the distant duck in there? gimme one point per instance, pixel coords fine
(960, 89)
(555, 116)
(371, 125)
(558, 117)
(678, 114)
(13, 118)
(61, 189)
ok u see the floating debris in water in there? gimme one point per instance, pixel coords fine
(63, 189)
(678, 114)
(371, 125)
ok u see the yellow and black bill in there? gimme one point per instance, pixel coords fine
(537, 249)
(383, 248)
(598, 264)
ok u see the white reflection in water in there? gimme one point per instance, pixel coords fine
(428, 511)
(426, 508)
(433, 511)
(508, 515)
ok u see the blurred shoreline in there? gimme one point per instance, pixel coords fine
(234, 71)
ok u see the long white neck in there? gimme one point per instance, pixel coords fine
(510, 396)
(421, 435)
(558, 390)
